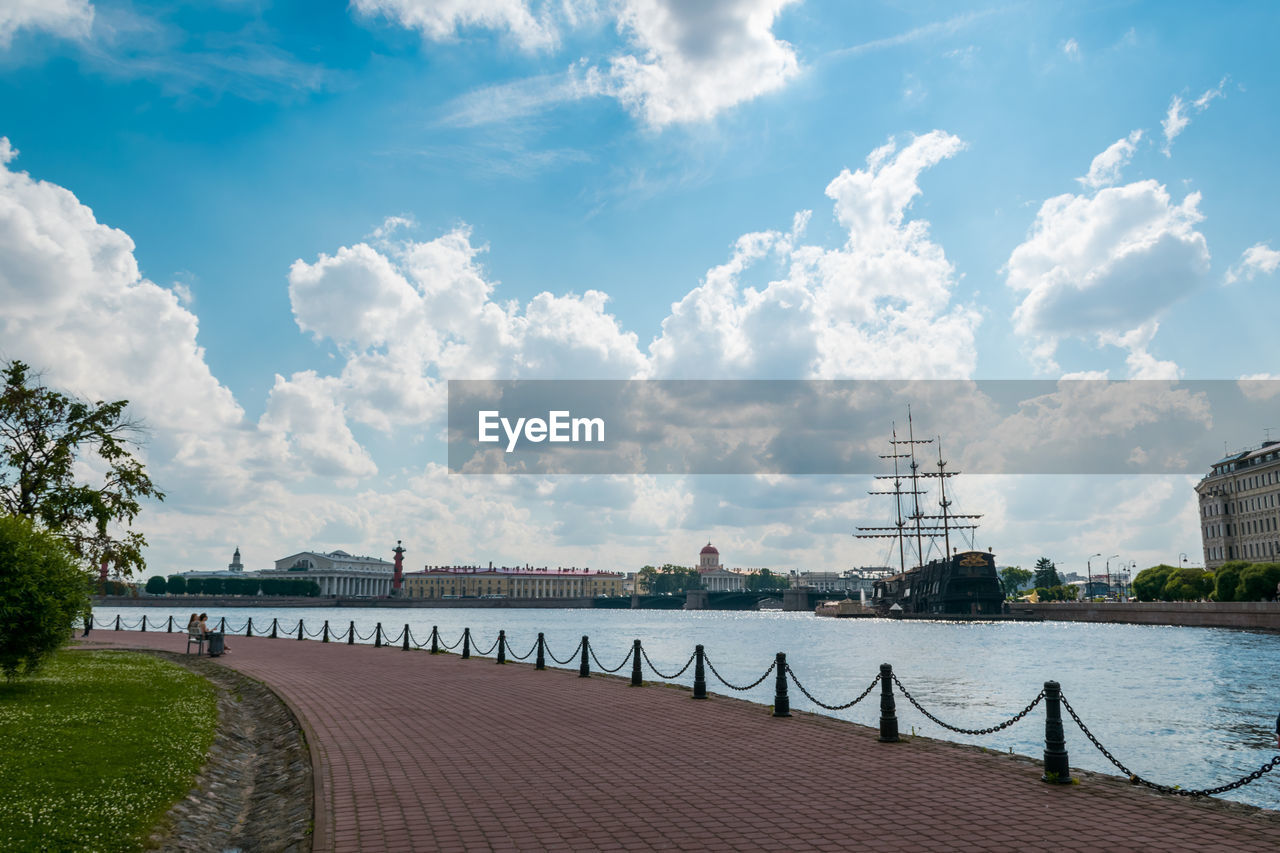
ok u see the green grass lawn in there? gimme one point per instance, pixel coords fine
(96, 747)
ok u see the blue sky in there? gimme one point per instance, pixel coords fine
(331, 209)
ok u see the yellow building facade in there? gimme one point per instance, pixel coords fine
(449, 582)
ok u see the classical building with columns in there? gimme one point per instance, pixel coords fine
(714, 576)
(338, 573)
(503, 582)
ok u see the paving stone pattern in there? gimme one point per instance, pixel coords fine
(415, 752)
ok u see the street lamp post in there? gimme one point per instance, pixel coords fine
(1088, 589)
(1109, 559)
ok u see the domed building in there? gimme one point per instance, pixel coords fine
(714, 576)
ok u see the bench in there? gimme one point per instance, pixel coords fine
(195, 635)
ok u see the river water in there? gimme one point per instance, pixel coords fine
(1194, 707)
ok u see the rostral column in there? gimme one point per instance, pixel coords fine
(398, 578)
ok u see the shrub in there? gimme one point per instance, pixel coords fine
(1258, 582)
(176, 585)
(195, 586)
(1227, 579)
(156, 585)
(213, 586)
(1149, 583)
(43, 591)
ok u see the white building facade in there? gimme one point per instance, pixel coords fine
(338, 574)
(714, 576)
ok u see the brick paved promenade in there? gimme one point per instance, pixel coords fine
(414, 753)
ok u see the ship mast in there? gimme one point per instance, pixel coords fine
(917, 517)
(915, 483)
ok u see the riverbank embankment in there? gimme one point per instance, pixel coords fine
(1244, 615)
(413, 750)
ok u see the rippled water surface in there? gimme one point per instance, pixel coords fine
(1194, 707)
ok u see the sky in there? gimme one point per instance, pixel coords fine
(278, 230)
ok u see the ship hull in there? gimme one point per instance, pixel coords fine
(964, 585)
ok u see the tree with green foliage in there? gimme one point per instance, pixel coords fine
(1226, 578)
(195, 586)
(156, 585)
(44, 590)
(1046, 574)
(175, 585)
(1258, 582)
(765, 580)
(43, 433)
(1188, 584)
(213, 586)
(1148, 584)
(668, 579)
(1012, 579)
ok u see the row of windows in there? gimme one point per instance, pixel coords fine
(1253, 504)
(1242, 528)
(1255, 550)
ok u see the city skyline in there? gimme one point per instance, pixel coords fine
(280, 230)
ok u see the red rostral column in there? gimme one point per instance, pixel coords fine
(102, 573)
(398, 578)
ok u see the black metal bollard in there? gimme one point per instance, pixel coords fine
(541, 661)
(466, 643)
(584, 668)
(299, 629)
(351, 633)
(117, 621)
(636, 676)
(222, 625)
(502, 647)
(169, 630)
(435, 640)
(1056, 768)
(700, 674)
(377, 636)
(325, 633)
(781, 702)
(274, 625)
(144, 623)
(405, 647)
(888, 710)
(248, 629)
(88, 624)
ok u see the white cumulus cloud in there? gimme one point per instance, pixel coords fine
(1105, 264)
(1258, 259)
(66, 18)
(1106, 167)
(693, 60)
(441, 20)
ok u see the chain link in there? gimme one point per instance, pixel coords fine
(567, 660)
(791, 672)
(750, 686)
(1135, 779)
(604, 668)
(489, 651)
(657, 672)
(991, 730)
(515, 656)
(455, 645)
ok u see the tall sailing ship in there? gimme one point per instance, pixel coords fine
(952, 583)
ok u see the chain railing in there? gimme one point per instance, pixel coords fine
(1056, 764)
(1176, 790)
(604, 668)
(987, 731)
(815, 700)
(744, 687)
(660, 673)
(573, 654)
